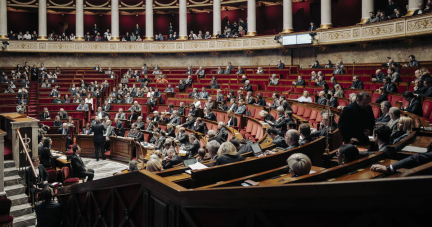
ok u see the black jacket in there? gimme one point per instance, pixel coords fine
(192, 148)
(306, 140)
(413, 161)
(227, 158)
(354, 121)
(77, 164)
(120, 127)
(31, 179)
(415, 107)
(174, 161)
(98, 130)
(391, 87)
(194, 112)
(189, 123)
(427, 92)
(45, 158)
(381, 98)
(357, 85)
(384, 118)
(201, 128)
(183, 138)
(49, 214)
(233, 122)
(210, 116)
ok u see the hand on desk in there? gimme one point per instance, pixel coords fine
(379, 168)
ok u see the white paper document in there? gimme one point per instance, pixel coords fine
(197, 165)
(414, 149)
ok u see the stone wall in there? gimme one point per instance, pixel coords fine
(371, 53)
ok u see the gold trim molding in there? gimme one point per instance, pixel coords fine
(405, 28)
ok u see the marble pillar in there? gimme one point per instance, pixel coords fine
(367, 7)
(182, 20)
(287, 17)
(326, 14)
(34, 141)
(2, 135)
(251, 20)
(115, 20)
(3, 20)
(149, 20)
(217, 20)
(15, 145)
(79, 17)
(42, 20)
(413, 5)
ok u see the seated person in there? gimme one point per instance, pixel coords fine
(347, 153)
(154, 166)
(305, 132)
(410, 162)
(182, 136)
(291, 138)
(171, 159)
(209, 115)
(49, 212)
(45, 153)
(325, 126)
(227, 153)
(199, 126)
(414, 105)
(78, 165)
(274, 133)
(404, 128)
(212, 136)
(192, 147)
(385, 108)
(299, 164)
(34, 183)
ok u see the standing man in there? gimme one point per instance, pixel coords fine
(98, 138)
(49, 212)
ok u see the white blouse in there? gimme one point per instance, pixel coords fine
(89, 100)
(198, 104)
(303, 99)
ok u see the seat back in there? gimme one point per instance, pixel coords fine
(307, 112)
(376, 111)
(5, 205)
(300, 111)
(65, 173)
(427, 107)
(52, 176)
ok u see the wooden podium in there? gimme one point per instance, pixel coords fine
(58, 141)
(122, 148)
(87, 145)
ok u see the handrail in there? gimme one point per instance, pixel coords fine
(26, 152)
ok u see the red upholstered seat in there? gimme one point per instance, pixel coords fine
(427, 108)
(300, 111)
(65, 177)
(294, 108)
(376, 111)
(5, 218)
(375, 96)
(307, 113)
(342, 102)
(395, 98)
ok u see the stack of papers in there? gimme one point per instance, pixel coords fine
(182, 152)
(414, 149)
(197, 165)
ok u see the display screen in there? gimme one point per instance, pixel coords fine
(304, 39)
(289, 40)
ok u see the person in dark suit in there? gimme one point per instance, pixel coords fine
(379, 76)
(385, 117)
(190, 121)
(48, 213)
(410, 162)
(182, 136)
(221, 132)
(98, 138)
(414, 105)
(357, 119)
(120, 126)
(78, 166)
(192, 147)
(62, 113)
(232, 119)
(325, 127)
(65, 131)
(209, 115)
(305, 132)
(247, 86)
(171, 159)
(427, 89)
(390, 86)
(299, 81)
(212, 136)
(45, 154)
(347, 153)
(283, 120)
(174, 119)
(357, 84)
(312, 27)
(45, 115)
(227, 153)
(95, 29)
(280, 65)
(137, 30)
(193, 110)
(278, 140)
(321, 98)
(34, 183)
(199, 126)
(292, 139)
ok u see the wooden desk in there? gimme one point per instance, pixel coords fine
(58, 141)
(87, 145)
(285, 178)
(121, 148)
(364, 173)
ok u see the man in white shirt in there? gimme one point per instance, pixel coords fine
(108, 34)
(27, 35)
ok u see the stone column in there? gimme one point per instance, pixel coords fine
(367, 7)
(251, 20)
(216, 17)
(34, 140)
(42, 20)
(79, 18)
(3, 20)
(115, 20)
(2, 135)
(287, 17)
(326, 14)
(413, 6)
(149, 20)
(182, 20)
(15, 144)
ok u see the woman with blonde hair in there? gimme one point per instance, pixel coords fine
(232, 120)
(227, 153)
(404, 126)
(57, 121)
(154, 166)
(339, 93)
(299, 164)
